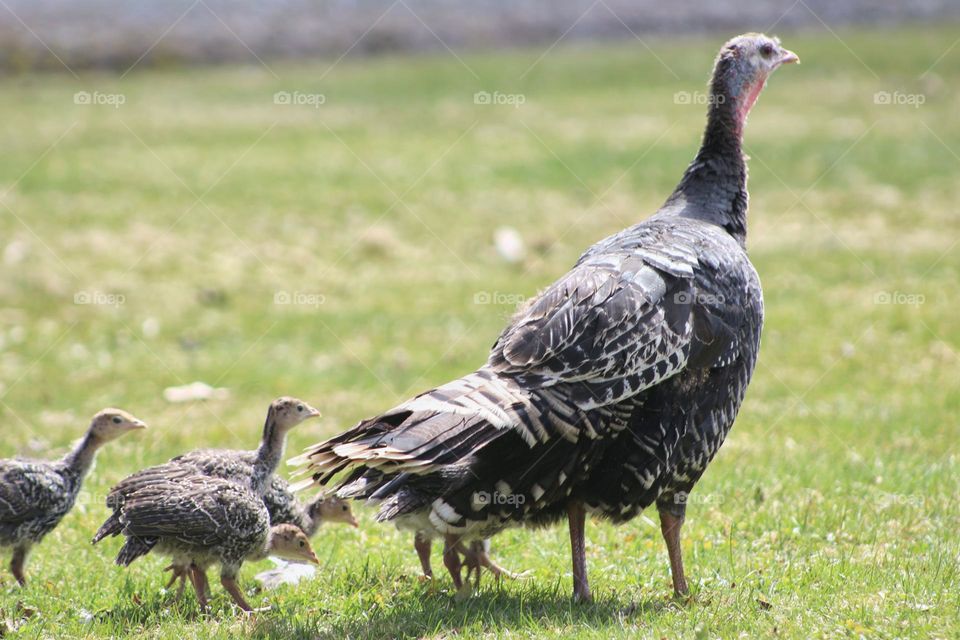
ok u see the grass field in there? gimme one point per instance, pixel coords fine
(155, 242)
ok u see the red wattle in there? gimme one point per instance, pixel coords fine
(751, 98)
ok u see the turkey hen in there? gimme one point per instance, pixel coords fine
(613, 390)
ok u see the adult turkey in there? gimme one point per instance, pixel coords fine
(613, 390)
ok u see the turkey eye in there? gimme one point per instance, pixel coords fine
(301, 544)
(343, 508)
(116, 420)
(299, 407)
(766, 50)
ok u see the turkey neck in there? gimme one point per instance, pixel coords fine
(268, 455)
(79, 461)
(714, 186)
(312, 523)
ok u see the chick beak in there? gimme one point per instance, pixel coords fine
(354, 523)
(313, 559)
(313, 413)
(138, 424)
(789, 57)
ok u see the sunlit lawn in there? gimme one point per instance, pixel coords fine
(190, 212)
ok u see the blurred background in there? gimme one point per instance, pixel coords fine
(112, 33)
(345, 201)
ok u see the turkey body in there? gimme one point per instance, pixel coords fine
(253, 470)
(228, 464)
(281, 503)
(650, 359)
(613, 390)
(677, 426)
(199, 519)
(35, 495)
(34, 498)
(209, 520)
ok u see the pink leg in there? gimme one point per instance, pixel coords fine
(493, 567)
(179, 573)
(199, 579)
(451, 559)
(230, 584)
(422, 545)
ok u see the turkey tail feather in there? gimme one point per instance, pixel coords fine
(134, 548)
(111, 527)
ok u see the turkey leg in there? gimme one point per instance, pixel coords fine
(451, 560)
(476, 558)
(199, 579)
(16, 565)
(179, 573)
(422, 545)
(230, 584)
(670, 525)
(577, 517)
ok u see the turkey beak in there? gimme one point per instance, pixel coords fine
(313, 559)
(353, 522)
(138, 424)
(312, 412)
(789, 57)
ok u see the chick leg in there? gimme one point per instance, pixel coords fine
(451, 560)
(480, 552)
(577, 516)
(471, 560)
(180, 573)
(203, 579)
(230, 584)
(16, 565)
(199, 579)
(422, 544)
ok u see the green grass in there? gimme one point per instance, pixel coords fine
(832, 509)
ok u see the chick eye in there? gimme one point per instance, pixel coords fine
(766, 50)
(301, 544)
(299, 407)
(117, 420)
(343, 508)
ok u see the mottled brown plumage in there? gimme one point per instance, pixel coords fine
(35, 495)
(200, 521)
(249, 488)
